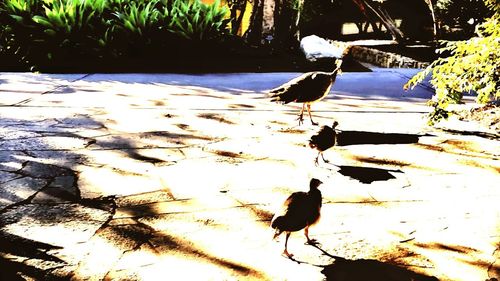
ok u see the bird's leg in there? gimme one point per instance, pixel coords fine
(301, 114)
(309, 240)
(285, 252)
(326, 161)
(316, 162)
(310, 116)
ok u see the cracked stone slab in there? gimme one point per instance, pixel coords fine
(11, 161)
(193, 167)
(44, 143)
(58, 225)
(19, 190)
(6, 176)
(61, 189)
(42, 170)
(19, 87)
(61, 158)
(64, 229)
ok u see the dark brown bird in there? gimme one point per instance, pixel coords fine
(300, 211)
(308, 88)
(323, 140)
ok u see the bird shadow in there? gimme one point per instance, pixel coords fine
(367, 174)
(362, 137)
(343, 269)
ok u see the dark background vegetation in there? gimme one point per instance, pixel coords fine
(189, 36)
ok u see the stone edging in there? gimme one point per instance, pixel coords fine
(384, 59)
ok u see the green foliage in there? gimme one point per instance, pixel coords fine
(137, 17)
(45, 32)
(198, 21)
(472, 66)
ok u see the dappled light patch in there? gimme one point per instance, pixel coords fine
(241, 106)
(159, 103)
(228, 154)
(185, 185)
(277, 122)
(145, 198)
(456, 147)
(373, 160)
(430, 147)
(183, 126)
(477, 164)
(291, 131)
(443, 247)
(215, 117)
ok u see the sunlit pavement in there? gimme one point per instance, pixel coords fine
(176, 177)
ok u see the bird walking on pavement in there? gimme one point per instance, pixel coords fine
(308, 88)
(301, 210)
(323, 140)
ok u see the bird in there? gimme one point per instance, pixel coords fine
(300, 211)
(323, 140)
(308, 88)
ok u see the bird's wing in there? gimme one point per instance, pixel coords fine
(307, 87)
(315, 87)
(293, 215)
(324, 136)
(295, 203)
(291, 83)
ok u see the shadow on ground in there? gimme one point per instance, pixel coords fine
(367, 174)
(27, 249)
(368, 270)
(360, 137)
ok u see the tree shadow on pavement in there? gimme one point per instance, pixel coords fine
(13, 245)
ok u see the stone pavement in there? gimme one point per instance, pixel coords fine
(176, 177)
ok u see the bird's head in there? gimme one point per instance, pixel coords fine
(335, 124)
(314, 183)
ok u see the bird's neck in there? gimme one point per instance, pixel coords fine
(313, 190)
(315, 195)
(334, 72)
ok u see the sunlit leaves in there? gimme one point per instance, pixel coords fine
(196, 20)
(473, 66)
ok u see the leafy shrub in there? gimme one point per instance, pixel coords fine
(55, 32)
(472, 66)
(198, 21)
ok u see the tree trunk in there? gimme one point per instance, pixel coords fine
(276, 22)
(287, 19)
(237, 8)
(254, 33)
(296, 27)
(434, 22)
